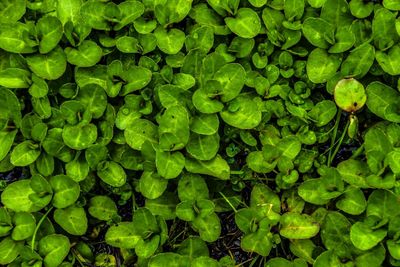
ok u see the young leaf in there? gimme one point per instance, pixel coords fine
(50, 66)
(123, 235)
(321, 66)
(72, 219)
(298, 226)
(9, 250)
(217, 167)
(54, 249)
(102, 208)
(246, 24)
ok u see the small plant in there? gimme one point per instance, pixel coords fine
(199, 133)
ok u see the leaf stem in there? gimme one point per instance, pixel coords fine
(38, 226)
(340, 142)
(336, 127)
(227, 200)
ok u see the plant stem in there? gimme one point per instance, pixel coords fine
(227, 200)
(336, 127)
(340, 143)
(38, 226)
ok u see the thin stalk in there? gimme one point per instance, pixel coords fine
(336, 127)
(340, 143)
(227, 200)
(358, 152)
(38, 226)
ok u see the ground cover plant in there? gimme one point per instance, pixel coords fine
(199, 133)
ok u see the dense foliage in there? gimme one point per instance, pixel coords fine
(199, 133)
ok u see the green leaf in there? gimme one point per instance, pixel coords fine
(50, 66)
(257, 3)
(209, 227)
(321, 66)
(205, 124)
(163, 206)
(169, 42)
(94, 14)
(382, 203)
(6, 141)
(352, 202)
(316, 30)
(9, 250)
(394, 249)
(345, 39)
(373, 257)
(323, 112)
(204, 104)
(389, 61)
(53, 145)
(16, 197)
(359, 61)
(258, 242)
(328, 258)
(68, 10)
(246, 24)
(12, 38)
(24, 154)
(205, 261)
(298, 226)
(192, 187)
(382, 101)
(102, 208)
(169, 259)
(361, 9)
(203, 147)
(111, 173)
(87, 54)
(231, 78)
(72, 219)
(391, 4)
(294, 9)
(24, 226)
(168, 12)
(77, 169)
(289, 147)
(54, 249)
(123, 235)
(169, 164)
(12, 11)
(140, 131)
(152, 185)
(80, 136)
(127, 44)
(384, 29)
(393, 159)
(258, 163)
(353, 172)
(217, 167)
(39, 87)
(96, 75)
(136, 77)
(174, 128)
(94, 98)
(185, 211)
(66, 191)
(242, 112)
(363, 237)
(335, 233)
(50, 31)
(336, 12)
(130, 11)
(15, 78)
